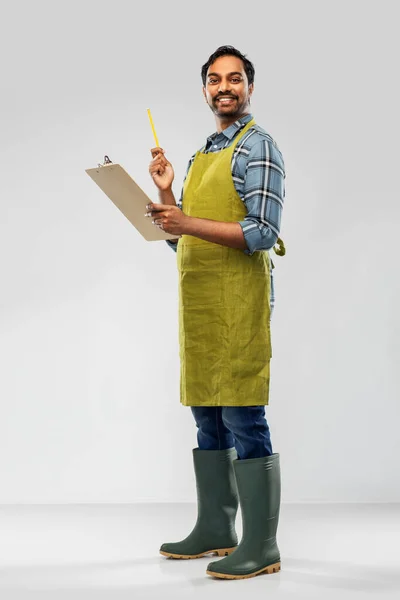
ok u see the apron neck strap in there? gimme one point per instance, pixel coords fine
(241, 134)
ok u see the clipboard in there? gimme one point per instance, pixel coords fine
(128, 197)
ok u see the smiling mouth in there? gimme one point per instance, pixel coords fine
(226, 100)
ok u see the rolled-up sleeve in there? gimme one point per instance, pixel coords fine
(172, 245)
(263, 195)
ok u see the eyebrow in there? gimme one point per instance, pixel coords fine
(217, 74)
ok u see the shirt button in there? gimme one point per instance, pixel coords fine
(215, 146)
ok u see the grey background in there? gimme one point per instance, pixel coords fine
(89, 389)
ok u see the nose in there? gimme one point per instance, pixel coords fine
(223, 87)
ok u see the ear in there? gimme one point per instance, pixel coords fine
(251, 88)
(204, 93)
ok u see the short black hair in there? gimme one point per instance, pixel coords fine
(229, 51)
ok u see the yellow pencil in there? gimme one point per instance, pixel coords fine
(152, 126)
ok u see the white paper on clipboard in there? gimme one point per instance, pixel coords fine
(128, 197)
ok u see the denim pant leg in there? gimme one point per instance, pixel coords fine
(250, 430)
(212, 434)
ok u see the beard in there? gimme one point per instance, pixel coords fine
(232, 111)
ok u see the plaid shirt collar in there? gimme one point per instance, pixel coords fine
(230, 132)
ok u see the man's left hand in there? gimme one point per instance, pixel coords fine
(168, 217)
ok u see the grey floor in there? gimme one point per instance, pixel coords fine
(111, 551)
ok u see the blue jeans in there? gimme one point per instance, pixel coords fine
(222, 427)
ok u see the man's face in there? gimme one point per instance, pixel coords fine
(227, 91)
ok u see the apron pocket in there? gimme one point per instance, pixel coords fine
(200, 269)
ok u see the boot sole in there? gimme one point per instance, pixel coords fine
(217, 551)
(270, 569)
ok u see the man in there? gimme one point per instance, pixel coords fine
(228, 218)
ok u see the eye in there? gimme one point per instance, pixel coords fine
(236, 80)
(212, 81)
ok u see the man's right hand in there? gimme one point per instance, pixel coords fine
(161, 169)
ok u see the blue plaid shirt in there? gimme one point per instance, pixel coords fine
(258, 173)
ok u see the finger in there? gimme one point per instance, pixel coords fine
(156, 174)
(158, 208)
(158, 157)
(159, 160)
(156, 170)
(155, 151)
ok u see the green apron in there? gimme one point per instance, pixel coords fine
(224, 297)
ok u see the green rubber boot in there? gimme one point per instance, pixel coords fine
(217, 504)
(259, 486)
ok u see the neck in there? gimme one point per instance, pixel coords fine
(224, 122)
